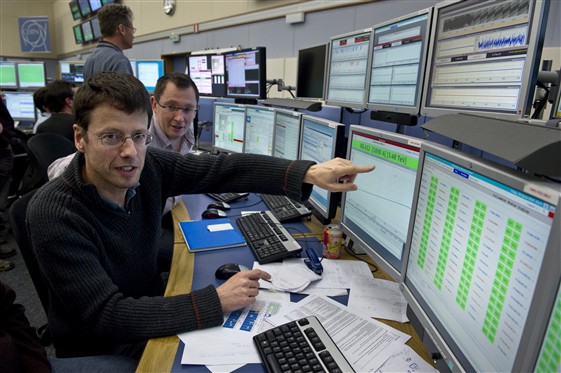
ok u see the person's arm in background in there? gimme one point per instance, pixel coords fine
(20, 350)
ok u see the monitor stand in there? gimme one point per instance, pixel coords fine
(397, 118)
(246, 101)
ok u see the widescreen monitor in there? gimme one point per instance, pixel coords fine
(21, 106)
(84, 6)
(286, 142)
(485, 57)
(95, 28)
(482, 259)
(8, 77)
(228, 127)
(207, 71)
(95, 5)
(322, 140)
(87, 31)
(78, 35)
(399, 55)
(148, 72)
(310, 72)
(246, 72)
(259, 130)
(31, 75)
(133, 67)
(75, 10)
(376, 216)
(347, 69)
(72, 71)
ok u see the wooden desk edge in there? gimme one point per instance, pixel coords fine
(159, 353)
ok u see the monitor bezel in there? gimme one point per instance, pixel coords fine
(552, 256)
(261, 108)
(75, 15)
(406, 109)
(16, 83)
(96, 9)
(95, 21)
(262, 79)
(84, 12)
(333, 198)
(89, 40)
(22, 119)
(531, 68)
(289, 113)
(71, 63)
(78, 28)
(349, 104)
(42, 64)
(299, 72)
(377, 252)
(556, 107)
(219, 148)
(161, 72)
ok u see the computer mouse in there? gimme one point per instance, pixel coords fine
(227, 270)
(218, 205)
(213, 214)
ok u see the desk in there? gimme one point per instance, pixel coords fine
(160, 353)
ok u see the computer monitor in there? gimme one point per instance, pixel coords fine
(95, 28)
(133, 67)
(484, 57)
(246, 72)
(229, 127)
(310, 73)
(482, 257)
(31, 75)
(84, 6)
(549, 357)
(8, 77)
(95, 5)
(376, 216)
(286, 143)
(399, 55)
(148, 72)
(105, 2)
(78, 35)
(72, 71)
(87, 31)
(347, 69)
(556, 109)
(21, 106)
(75, 10)
(207, 71)
(322, 140)
(259, 130)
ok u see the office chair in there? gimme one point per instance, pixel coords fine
(48, 147)
(18, 212)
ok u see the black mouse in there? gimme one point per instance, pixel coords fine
(218, 205)
(213, 214)
(226, 271)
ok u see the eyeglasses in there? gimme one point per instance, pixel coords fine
(132, 28)
(184, 110)
(114, 140)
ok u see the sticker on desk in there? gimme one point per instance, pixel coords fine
(219, 227)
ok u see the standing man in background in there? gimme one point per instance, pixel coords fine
(117, 31)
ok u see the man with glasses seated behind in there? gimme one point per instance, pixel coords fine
(117, 34)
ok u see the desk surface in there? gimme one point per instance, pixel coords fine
(160, 353)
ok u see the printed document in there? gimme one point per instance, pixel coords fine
(377, 298)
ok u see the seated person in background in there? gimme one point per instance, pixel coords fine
(59, 100)
(95, 228)
(39, 97)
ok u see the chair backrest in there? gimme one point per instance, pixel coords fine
(48, 147)
(18, 212)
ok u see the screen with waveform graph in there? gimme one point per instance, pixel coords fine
(484, 57)
(481, 265)
(399, 55)
(376, 216)
(347, 69)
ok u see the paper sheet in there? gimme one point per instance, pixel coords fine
(406, 360)
(378, 298)
(366, 343)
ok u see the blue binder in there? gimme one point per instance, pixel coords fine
(198, 237)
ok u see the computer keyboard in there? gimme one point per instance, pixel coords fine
(266, 237)
(284, 208)
(227, 197)
(300, 346)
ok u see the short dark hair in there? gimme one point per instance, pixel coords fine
(122, 91)
(56, 93)
(110, 16)
(39, 99)
(181, 80)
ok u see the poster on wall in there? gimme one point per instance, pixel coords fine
(34, 34)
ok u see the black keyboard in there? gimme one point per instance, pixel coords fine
(227, 197)
(266, 237)
(285, 208)
(300, 346)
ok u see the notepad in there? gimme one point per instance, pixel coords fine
(201, 235)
